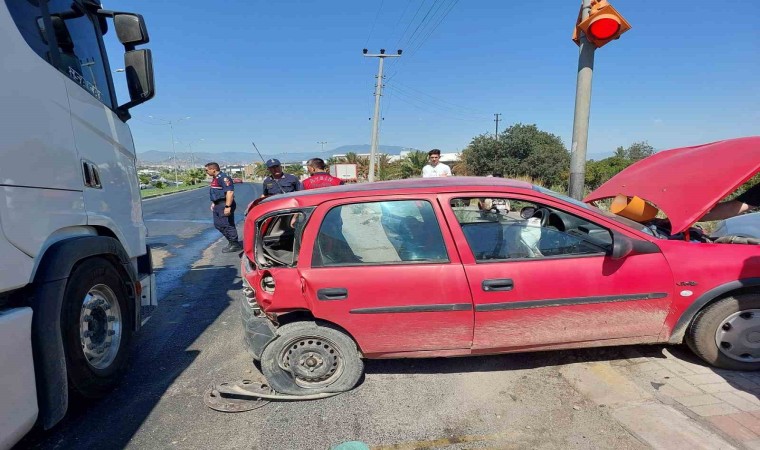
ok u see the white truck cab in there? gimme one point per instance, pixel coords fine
(75, 271)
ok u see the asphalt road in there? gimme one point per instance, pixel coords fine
(195, 339)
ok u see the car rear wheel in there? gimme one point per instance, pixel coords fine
(311, 358)
(726, 334)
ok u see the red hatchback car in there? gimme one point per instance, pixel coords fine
(420, 268)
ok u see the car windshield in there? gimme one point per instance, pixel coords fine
(627, 222)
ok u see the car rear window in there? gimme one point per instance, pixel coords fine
(389, 232)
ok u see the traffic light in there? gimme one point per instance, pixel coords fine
(602, 25)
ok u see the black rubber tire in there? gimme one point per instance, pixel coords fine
(701, 334)
(282, 381)
(85, 380)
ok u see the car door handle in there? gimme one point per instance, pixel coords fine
(498, 284)
(332, 294)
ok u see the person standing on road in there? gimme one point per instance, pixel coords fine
(222, 194)
(436, 168)
(318, 176)
(278, 182)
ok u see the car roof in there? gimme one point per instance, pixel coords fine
(416, 185)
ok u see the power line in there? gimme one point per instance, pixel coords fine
(422, 3)
(374, 22)
(399, 84)
(441, 18)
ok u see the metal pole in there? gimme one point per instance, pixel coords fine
(376, 122)
(582, 112)
(176, 162)
(497, 124)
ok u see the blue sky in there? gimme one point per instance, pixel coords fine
(288, 74)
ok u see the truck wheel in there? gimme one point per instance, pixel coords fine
(96, 325)
(726, 334)
(311, 358)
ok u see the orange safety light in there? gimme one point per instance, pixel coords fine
(602, 25)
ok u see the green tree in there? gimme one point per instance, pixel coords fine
(144, 179)
(521, 151)
(194, 176)
(362, 164)
(598, 172)
(387, 170)
(639, 150)
(412, 164)
(294, 169)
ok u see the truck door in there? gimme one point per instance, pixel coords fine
(385, 271)
(104, 143)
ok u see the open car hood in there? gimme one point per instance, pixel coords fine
(686, 183)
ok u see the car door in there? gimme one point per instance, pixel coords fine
(545, 277)
(385, 271)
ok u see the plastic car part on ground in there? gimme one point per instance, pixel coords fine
(246, 395)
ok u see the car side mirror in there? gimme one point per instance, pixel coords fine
(131, 29)
(622, 246)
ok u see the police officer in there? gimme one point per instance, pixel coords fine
(222, 194)
(278, 182)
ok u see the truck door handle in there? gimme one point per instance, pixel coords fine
(498, 284)
(332, 294)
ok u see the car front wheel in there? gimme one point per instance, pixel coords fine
(311, 358)
(726, 334)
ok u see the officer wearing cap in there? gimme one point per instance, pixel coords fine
(222, 194)
(278, 182)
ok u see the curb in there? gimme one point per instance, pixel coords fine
(170, 193)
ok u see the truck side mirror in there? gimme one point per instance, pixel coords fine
(138, 66)
(131, 29)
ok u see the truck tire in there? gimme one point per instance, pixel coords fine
(97, 327)
(726, 334)
(311, 358)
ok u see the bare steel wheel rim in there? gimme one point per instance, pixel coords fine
(314, 362)
(738, 336)
(100, 326)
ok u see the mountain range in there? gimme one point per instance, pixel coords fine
(186, 159)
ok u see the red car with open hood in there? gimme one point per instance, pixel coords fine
(419, 268)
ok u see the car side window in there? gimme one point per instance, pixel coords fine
(81, 58)
(373, 233)
(505, 228)
(28, 16)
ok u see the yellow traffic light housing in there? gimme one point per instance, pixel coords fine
(602, 25)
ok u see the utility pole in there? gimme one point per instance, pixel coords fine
(322, 143)
(497, 124)
(582, 111)
(376, 119)
(171, 127)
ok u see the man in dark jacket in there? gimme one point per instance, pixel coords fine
(222, 195)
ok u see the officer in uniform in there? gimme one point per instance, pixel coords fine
(222, 195)
(278, 182)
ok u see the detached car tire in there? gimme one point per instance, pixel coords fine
(311, 358)
(726, 334)
(96, 324)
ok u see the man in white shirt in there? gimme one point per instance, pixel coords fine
(435, 168)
